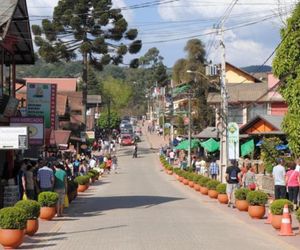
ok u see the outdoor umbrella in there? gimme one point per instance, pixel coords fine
(211, 145)
(185, 144)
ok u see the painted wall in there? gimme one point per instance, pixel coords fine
(235, 76)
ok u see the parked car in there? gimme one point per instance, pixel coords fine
(127, 140)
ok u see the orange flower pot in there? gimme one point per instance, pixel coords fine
(223, 198)
(32, 227)
(191, 184)
(180, 179)
(47, 213)
(197, 187)
(242, 205)
(185, 182)
(81, 188)
(11, 238)
(204, 190)
(276, 221)
(213, 194)
(256, 212)
(169, 172)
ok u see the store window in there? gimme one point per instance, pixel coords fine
(255, 110)
(235, 114)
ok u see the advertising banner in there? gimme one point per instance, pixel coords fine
(233, 133)
(35, 128)
(13, 138)
(41, 101)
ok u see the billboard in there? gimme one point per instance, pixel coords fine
(35, 128)
(13, 138)
(41, 101)
(233, 133)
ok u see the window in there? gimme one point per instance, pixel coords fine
(235, 114)
(255, 110)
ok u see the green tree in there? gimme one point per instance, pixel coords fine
(194, 62)
(111, 121)
(94, 84)
(287, 68)
(269, 153)
(92, 28)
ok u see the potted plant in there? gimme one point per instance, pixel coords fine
(72, 190)
(32, 209)
(298, 215)
(190, 179)
(257, 201)
(48, 202)
(185, 181)
(212, 186)
(241, 202)
(195, 180)
(222, 196)
(277, 211)
(12, 224)
(202, 183)
(82, 182)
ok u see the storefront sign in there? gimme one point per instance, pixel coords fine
(35, 128)
(233, 133)
(41, 101)
(13, 138)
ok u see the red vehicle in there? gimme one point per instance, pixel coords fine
(127, 140)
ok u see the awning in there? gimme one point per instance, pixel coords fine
(247, 148)
(211, 145)
(180, 89)
(60, 137)
(195, 143)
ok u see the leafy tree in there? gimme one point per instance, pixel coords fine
(92, 28)
(194, 62)
(111, 121)
(287, 68)
(269, 153)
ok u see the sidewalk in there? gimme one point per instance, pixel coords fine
(154, 140)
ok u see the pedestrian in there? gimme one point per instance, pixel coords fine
(279, 180)
(109, 164)
(29, 182)
(198, 166)
(193, 163)
(248, 178)
(45, 178)
(114, 163)
(83, 168)
(183, 164)
(213, 169)
(203, 169)
(233, 179)
(76, 165)
(292, 182)
(172, 157)
(135, 149)
(60, 187)
(21, 178)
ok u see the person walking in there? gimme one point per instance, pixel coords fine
(45, 178)
(213, 169)
(29, 182)
(134, 155)
(249, 178)
(114, 163)
(60, 187)
(292, 179)
(233, 180)
(279, 180)
(198, 166)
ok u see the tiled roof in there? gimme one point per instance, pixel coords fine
(245, 92)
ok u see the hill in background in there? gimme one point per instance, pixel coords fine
(257, 69)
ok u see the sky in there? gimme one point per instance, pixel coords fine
(251, 28)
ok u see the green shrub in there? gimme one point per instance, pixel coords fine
(72, 186)
(278, 205)
(241, 193)
(190, 176)
(196, 178)
(12, 218)
(203, 181)
(257, 198)
(298, 214)
(31, 207)
(212, 184)
(48, 199)
(82, 180)
(221, 188)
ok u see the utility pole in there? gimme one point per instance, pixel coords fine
(189, 129)
(223, 109)
(84, 89)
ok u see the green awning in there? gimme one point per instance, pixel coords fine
(195, 143)
(180, 89)
(211, 145)
(247, 147)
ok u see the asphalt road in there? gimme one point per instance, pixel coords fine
(143, 208)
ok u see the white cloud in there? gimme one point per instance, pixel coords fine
(41, 7)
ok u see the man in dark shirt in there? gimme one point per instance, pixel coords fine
(233, 179)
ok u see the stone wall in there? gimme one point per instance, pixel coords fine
(265, 183)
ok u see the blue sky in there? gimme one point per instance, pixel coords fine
(252, 28)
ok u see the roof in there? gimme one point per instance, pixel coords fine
(94, 99)
(243, 72)
(63, 84)
(247, 92)
(273, 120)
(15, 30)
(209, 132)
